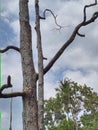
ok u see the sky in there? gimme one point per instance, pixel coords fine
(79, 61)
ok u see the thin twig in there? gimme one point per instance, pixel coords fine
(81, 35)
(54, 16)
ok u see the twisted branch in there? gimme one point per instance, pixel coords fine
(54, 16)
(8, 48)
(85, 15)
(87, 6)
(72, 37)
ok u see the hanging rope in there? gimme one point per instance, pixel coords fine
(11, 113)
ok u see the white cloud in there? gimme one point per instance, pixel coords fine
(15, 26)
(9, 8)
(49, 90)
(89, 77)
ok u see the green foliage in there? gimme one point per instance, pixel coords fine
(66, 125)
(90, 121)
(62, 112)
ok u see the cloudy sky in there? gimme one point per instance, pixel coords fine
(79, 62)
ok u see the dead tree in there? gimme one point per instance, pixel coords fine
(33, 110)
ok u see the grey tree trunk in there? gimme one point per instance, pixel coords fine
(40, 70)
(30, 110)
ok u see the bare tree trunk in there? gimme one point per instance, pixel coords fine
(30, 110)
(40, 70)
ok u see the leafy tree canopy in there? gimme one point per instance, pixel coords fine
(64, 111)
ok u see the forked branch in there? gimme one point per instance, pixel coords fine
(9, 85)
(85, 15)
(87, 6)
(72, 37)
(8, 48)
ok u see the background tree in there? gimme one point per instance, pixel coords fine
(33, 111)
(90, 121)
(64, 111)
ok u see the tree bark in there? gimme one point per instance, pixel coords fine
(40, 70)
(30, 110)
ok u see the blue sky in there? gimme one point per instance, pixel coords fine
(79, 62)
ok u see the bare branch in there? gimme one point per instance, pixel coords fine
(13, 94)
(5, 86)
(70, 40)
(44, 58)
(87, 6)
(61, 50)
(9, 81)
(9, 85)
(8, 48)
(54, 16)
(81, 35)
(92, 19)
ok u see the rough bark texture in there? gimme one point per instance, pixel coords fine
(40, 70)
(30, 113)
